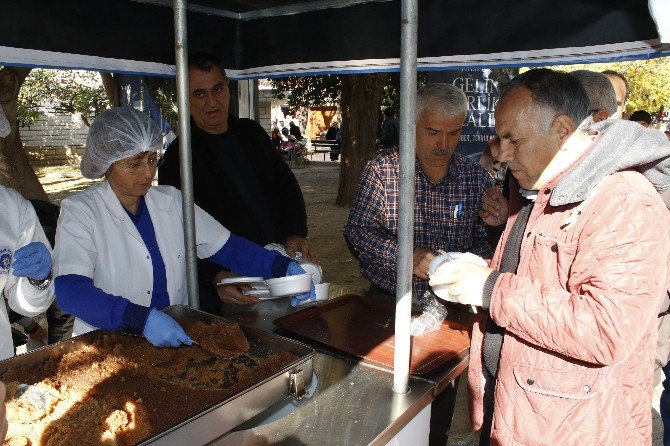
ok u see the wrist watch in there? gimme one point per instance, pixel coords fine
(41, 284)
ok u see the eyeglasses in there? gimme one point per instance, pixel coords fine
(153, 161)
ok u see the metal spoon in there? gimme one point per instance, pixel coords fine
(210, 352)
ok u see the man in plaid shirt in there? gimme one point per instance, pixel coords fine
(449, 193)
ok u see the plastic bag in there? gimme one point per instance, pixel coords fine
(431, 318)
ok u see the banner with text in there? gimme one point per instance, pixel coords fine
(481, 88)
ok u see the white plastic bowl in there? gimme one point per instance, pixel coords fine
(442, 291)
(290, 285)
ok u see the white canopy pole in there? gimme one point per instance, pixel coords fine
(403, 312)
(188, 212)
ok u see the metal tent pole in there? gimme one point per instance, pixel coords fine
(403, 311)
(188, 212)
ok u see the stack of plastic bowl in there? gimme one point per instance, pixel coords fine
(311, 268)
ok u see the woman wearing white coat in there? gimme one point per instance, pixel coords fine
(25, 264)
(119, 254)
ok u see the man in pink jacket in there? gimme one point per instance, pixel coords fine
(565, 351)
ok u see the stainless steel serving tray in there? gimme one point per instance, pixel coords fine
(221, 417)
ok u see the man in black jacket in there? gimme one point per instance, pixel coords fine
(238, 178)
(333, 134)
(390, 134)
(295, 130)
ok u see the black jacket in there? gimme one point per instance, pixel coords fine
(216, 193)
(390, 136)
(331, 134)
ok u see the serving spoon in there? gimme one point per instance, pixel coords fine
(211, 352)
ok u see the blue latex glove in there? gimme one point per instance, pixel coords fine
(293, 270)
(32, 261)
(163, 331)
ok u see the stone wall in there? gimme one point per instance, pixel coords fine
(55, 140)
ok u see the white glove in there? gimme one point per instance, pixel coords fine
(443, 257)
(465, 280)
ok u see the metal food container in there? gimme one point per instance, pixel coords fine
(214, 421)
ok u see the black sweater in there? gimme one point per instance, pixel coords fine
(230, 194)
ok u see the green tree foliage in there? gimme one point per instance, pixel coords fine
(163, 91)
(61, 91)
(391, 92)
(649, 82)
(313, 91)
(308, 91)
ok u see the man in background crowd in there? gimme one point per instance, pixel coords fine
(333, 134)
(621, 89)
(390, 131)
(642, 117)
(295, 130)
(600, 92)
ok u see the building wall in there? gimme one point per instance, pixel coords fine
(61, 139)
(264, 112)
(54, 140)
(266, 102)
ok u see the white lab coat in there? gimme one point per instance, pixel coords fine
(96, 238)
(18, 227)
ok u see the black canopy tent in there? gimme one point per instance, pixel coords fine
(260, 38)
(325, 36)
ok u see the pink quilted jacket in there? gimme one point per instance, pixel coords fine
(580, 319)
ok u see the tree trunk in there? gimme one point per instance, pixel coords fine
(110, 82)
(15, 169)
(360, 102)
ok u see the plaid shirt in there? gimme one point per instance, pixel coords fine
(446, 216)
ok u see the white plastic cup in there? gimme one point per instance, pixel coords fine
(321, 291)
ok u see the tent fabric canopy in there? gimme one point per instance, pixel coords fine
(263, 38)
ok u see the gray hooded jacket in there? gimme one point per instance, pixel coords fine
(623, 145)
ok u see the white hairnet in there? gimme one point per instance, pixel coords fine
(116, 134)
